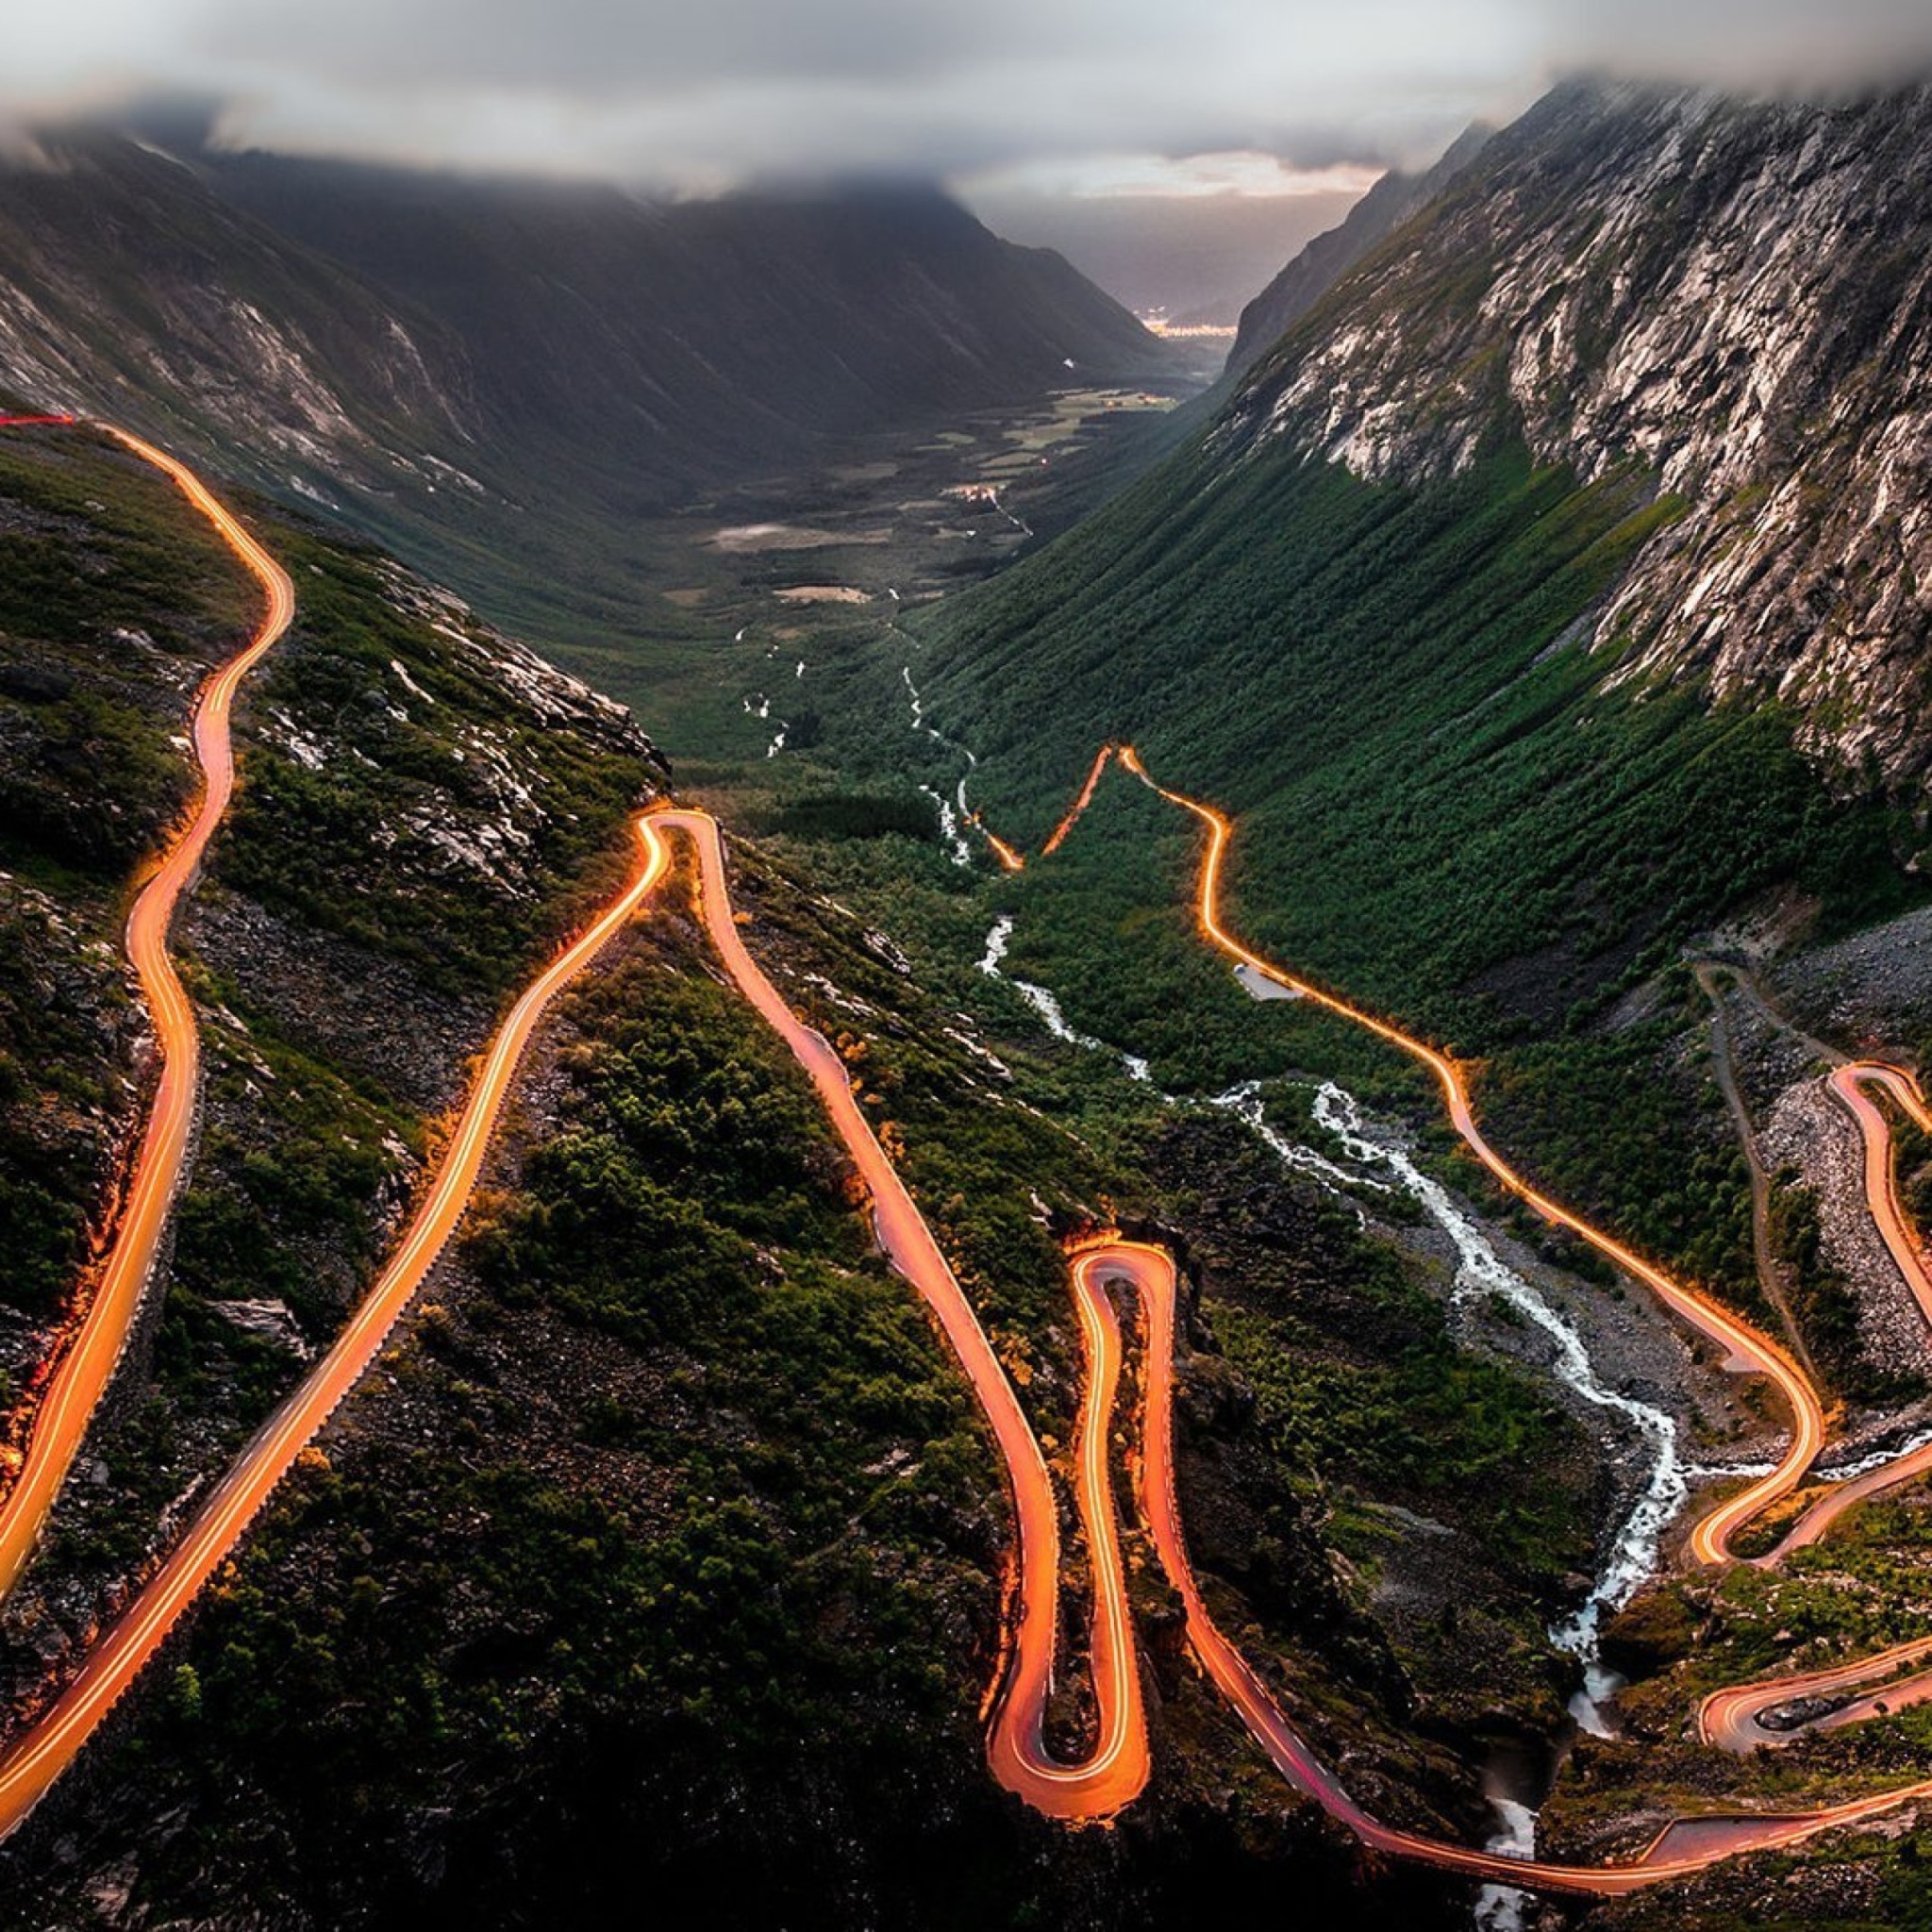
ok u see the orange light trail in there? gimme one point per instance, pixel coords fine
(1711, 1538)
(1010, 857)
(1682, 1848)
(1729, 1718)
(1077, 810)
(1687, 1845)
(1116, 1768)
(1009, 860)
(1117, 1765)
(30, 1765)
(94, 1347)
(1848, 1084)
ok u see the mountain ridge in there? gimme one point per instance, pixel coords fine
(1727, 296)
(512, 375)
(1391, 202)
(1396, 583)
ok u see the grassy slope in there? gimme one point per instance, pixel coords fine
(1443, 808)
(1383, 684)
(307, 923)
(1527, 738)
(113, 601)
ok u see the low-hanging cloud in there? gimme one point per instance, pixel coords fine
(736, 86)
(668, 91)
(1783, 45)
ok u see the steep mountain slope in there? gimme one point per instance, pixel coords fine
(1734, 300)
(1473, 789)
(133, 290)
(1324, 262)
(662, 1545)
(703, 337)
(1501, 588)
(423, 807)
(498, 378)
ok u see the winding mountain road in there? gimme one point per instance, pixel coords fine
(1849, 1085)
(1866, 1687)
(1743, 1346)
(1151, 1271)
(1114, 1766)
(89, 1352)
(1117, 1766)
(1731, 1718)
(30, 1764)
(1115, 1769)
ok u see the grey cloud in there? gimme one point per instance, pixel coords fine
(718, 89)
(754, 85)
(1799, 45)
(609, 48)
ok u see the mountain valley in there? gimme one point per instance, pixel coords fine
(1538, 595)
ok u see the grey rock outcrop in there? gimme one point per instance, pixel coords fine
(1732, 298)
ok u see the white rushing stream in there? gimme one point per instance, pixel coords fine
(1244, 1103)
(1047, 1006)
(1480, 1272)
(959, 814)
(958, 849)
(1501, 1907)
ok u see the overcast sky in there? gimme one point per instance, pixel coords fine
(1108, 112)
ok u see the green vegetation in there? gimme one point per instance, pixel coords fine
(1460, 1495)
(380, 726)
(412, 831)
(116, 599)
(56, 1080)
(1862, 1589)
(672, 1494)
(113, 598)
(1619, 1128)
(1912, 1165)
(1439, 806)
(294, 1164)
(1387, 1406)
(1444, 808)
(629, 1217)
(696, 1509)
(852, 815)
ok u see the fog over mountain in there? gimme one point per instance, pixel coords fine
(699, 98)
(757, 84)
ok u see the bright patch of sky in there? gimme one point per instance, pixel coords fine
(1244, 175)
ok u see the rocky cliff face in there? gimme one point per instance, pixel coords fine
(1733, 298)
(131, 290)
